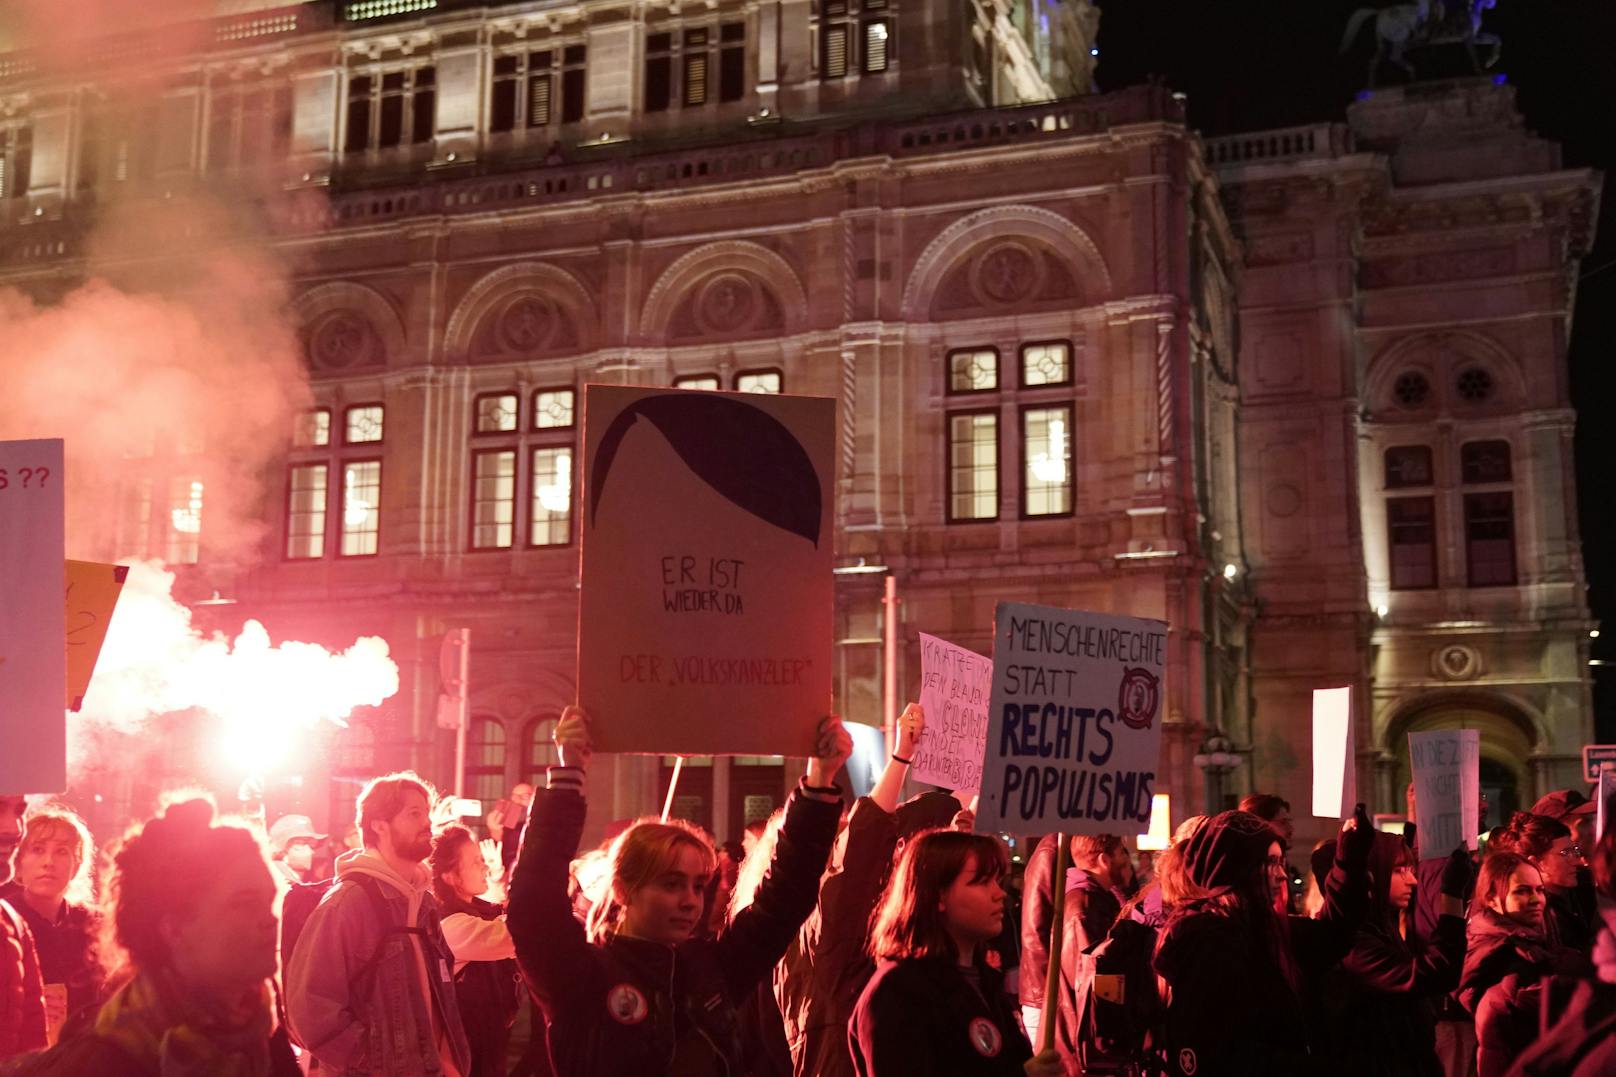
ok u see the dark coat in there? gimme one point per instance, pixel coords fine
(22, 1000)
(1577, 1019)
(824, 972)
(1090, 909)
(633, 1008)
(66, 948)
(1231, 1010)
(1499, 985)
(922, 1018)
(1570, 916)
(488, 996)
(1037, 918)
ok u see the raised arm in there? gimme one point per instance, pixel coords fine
(551, 949)
(906, 739)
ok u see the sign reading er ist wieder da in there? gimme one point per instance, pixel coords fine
(1074, 725)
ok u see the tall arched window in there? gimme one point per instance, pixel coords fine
(485, 760)
(541, 750)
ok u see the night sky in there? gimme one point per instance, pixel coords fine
(1251, 64)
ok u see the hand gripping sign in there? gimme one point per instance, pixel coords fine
(1074, 723)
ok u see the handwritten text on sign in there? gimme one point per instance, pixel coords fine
(33, 659)
(1447, 789)
(954, 688)
(1074, 725)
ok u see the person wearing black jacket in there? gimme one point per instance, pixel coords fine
(935, 1006)
(1237, 971)
(1378, 1006)
(637, 996)
(484, 972)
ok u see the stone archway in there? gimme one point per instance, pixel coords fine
(1511, 737)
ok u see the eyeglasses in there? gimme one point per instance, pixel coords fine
(1573, 852)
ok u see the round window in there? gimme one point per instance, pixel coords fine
(1474, 385)
(1411, 389)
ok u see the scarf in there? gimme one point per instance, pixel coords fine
(153, 1019)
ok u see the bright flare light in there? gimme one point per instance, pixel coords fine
(1051, 466)
(189, 518)
(557, 496)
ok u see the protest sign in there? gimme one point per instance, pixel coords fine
(1605, 799)
(1074, 722)
(1447, 789)
(33, 658)
(1335, 763)
(704, 622)
(92, 594)
(954, 687)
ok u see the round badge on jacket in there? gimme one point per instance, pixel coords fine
(1187, 1062)
(986, 1038)
(626, 1003)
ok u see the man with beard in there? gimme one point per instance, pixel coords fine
(370, 986)
(22, 1002)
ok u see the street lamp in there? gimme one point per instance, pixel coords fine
(1216, 757)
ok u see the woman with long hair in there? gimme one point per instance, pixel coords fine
(636, 994)
(1509, 953)
(191, 936)
(485, 958)
(1552, 848)
(1237, 970)
(935, 1005)
(50, 888)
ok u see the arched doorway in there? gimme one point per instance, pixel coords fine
(1509, 741)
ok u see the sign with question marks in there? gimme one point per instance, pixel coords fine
(33, 660)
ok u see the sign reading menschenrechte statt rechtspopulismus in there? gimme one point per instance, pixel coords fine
(1074, 724)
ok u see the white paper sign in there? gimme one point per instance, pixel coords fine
(33, 652)
(954, 688)
(1447, 789)
(1335, 764)
(1074, 724)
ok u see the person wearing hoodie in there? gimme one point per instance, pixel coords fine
(1237, 971)
(1509, 955)
(818, 982)
(636, 995)
(1378, 1007)
(1577, 1015)
(370, 989)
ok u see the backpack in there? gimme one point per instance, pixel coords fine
(1119, 1007)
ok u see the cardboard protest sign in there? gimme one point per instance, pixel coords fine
(1335, 764)
(1605, 799)
(1074, 724)
(33, 659)
(704, 622)
(92, 593)
(954, 687)
(1447, 789)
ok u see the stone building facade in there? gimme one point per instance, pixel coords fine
(1081, 358)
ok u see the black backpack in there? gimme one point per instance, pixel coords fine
(1120, 1010)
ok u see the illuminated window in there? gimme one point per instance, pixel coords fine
(522, 91)
(1408, 465)
(834, 31)
(758, 381)
(362, 425)
(312, 429)
(695, 67)
(1046, 440)
(305, 511)
(973, 371)
(1411, 533)
(361, 507)
(551, 524)
(493, 505)
(876, 39)
(496, 413)
(1046, 364)
(16, 160)
(485, 760)
(541, 750)
(697, 381)
(553, 409)
(973, 466)
(184, 521)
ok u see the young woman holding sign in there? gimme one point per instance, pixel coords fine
(935, 1005)
(636, 995)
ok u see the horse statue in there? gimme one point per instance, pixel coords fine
(1422, 24)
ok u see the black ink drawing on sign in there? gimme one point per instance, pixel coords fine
(744, 453)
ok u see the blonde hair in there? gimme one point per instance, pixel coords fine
(641, 853)
(755, 867)
(59, 822)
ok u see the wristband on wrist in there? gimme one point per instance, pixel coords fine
(826, 790)
(901, 759)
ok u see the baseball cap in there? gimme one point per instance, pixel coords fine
(1562, 803)
(288, 828)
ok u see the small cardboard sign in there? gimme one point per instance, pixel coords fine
(1074, 723)
(1335, 766)
(705, 618)
(954, 688)
(92, 594)
(33, 626)
(1447, 789)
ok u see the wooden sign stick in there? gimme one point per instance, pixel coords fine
(1057, 933)
(673, 785)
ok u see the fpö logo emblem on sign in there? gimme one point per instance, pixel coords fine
(1138, 697)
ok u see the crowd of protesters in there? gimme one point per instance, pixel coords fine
(884, 939)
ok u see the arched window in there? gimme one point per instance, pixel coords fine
(485, 760)
(541, 750)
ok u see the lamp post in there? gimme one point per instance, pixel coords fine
(1216, 757)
